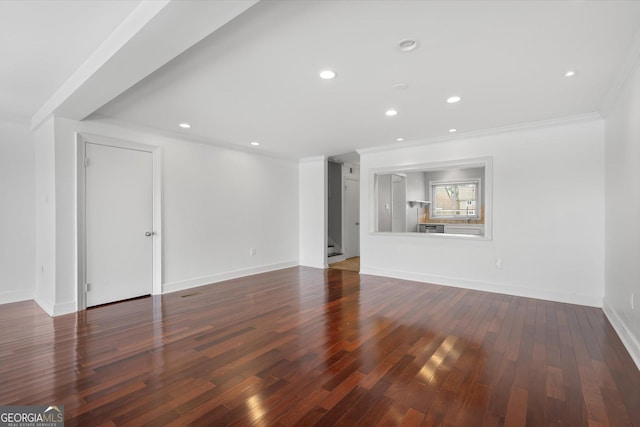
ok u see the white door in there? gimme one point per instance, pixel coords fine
(119, 214)
(351, 218)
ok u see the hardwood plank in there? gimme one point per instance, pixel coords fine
(555, 384)
(591, 394)
(376, 412)
(517, 408)
(302, 346)
(303, 406)
(339, 409)
(412, 418)
(575, 407)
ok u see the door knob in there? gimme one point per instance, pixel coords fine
(149, 233)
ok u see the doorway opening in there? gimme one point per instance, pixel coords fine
(343, 210)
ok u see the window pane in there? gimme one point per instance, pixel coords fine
(455, 200)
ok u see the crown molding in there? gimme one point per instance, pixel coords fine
(577, 118)
(178, 136)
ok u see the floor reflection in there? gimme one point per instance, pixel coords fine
(419, 362)
(342, 308)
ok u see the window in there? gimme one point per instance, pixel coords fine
(455, 199)
(453, 196)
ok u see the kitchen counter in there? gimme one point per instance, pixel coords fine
(460, 228)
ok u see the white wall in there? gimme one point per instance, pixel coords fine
(548, 216)
(66, 216)
(313, 212)
(17, 215)
(45, 205)
(217, 205)
(622, 202)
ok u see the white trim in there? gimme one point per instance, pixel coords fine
(62, 308)
(628, 340)
(515, 290)
(485, 132)
(485, 162)
(181, 137)
(81, 140)
(466, 163)
(157, 221)
(56, 309)
(81, 255)
(140, 17)
(415, 235)
(44, 304)
(220, 277)
(7, 297)
(318, 266)
(479, 205)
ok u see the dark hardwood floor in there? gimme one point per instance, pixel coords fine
(303, 346)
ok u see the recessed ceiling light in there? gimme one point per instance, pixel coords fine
(453, 130)
(327, 74)
(407, 45)
(399, 139)
(570, 73)
(453, 99)
(184, 125)
(255, 143)
(391, 113)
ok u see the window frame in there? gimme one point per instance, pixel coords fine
(370, 183)
(478, 208)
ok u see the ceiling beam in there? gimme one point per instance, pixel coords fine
(152, 35)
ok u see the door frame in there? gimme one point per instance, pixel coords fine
(344, 210)
(81, 142)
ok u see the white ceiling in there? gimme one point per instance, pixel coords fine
(256, 78)
(43, 42)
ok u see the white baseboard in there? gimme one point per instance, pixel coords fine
(520, 291)
(55, 309)
(630, 342)
(44, 304)
(313, 265)
(206, 280)
(62, 308)
(7, 297)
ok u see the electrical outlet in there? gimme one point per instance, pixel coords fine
(498, 263)
(252, 251)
